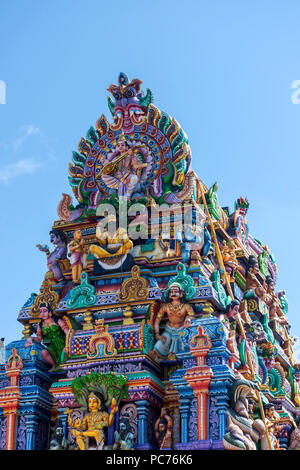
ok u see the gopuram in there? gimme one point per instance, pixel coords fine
(157, 324)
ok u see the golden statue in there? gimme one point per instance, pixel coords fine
(93, 423)
(112, 243)
(77, 255)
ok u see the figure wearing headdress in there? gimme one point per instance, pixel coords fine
(124, 168)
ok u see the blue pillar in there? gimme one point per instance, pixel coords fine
(184, 413)
(31, 425)
(222, 401)
(63, 418)
(142, 410)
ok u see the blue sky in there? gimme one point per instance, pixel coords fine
(224, 69)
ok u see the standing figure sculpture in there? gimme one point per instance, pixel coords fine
(93, 423)
(51, 335)
(273, 303)
(253, 286)
(179, 315)
(163, 430)
(77, 255)
(272, 423)
(58, 255)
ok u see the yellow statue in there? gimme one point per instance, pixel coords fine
(93, 423)
(111, 244)
(77, 255)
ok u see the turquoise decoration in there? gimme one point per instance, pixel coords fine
(224, 299)
(82, 295)
(263, 264)
(185, 281)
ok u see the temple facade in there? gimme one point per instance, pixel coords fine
(158, 324)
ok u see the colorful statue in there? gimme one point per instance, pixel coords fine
(58, 441)
(58, 255)
(130, 106)
(179, 315)
(164, 430)
(230, 331)
(272, 420)
(253, 286)
(228, 252)
(51, 335)
(273, 303)
(125, 169)
(124, 438)
(239, 221)
(77, 255)
(192, 243)
(111, 244)
(242, 431)
(93, 423)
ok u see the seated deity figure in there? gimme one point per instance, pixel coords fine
(111, 243)
(93, 423)
(179, 315)
(125, 169)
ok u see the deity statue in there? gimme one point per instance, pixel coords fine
(56, 258)
(125, 169)
(111, 243)
(228, 252)
(253, 286)
(272, 420)
(230, 330)
(93, 423)
(124, 438)
(51, 335)
(179, 315)
(242, 432)
(194, 243)
(78, 255)
(273, 303)
(164, 430)
(58, 441)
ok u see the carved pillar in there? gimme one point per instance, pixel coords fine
(63, 417)
(199, 378)
(184, 412)
(10, 398)
(31, 425)
(142, 410)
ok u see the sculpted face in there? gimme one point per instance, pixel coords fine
(94, 403)
(161, 427)
(77, 235)
(44, 313)
(122, 146)
(270, 411)
(54, 238)
(175, 292)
